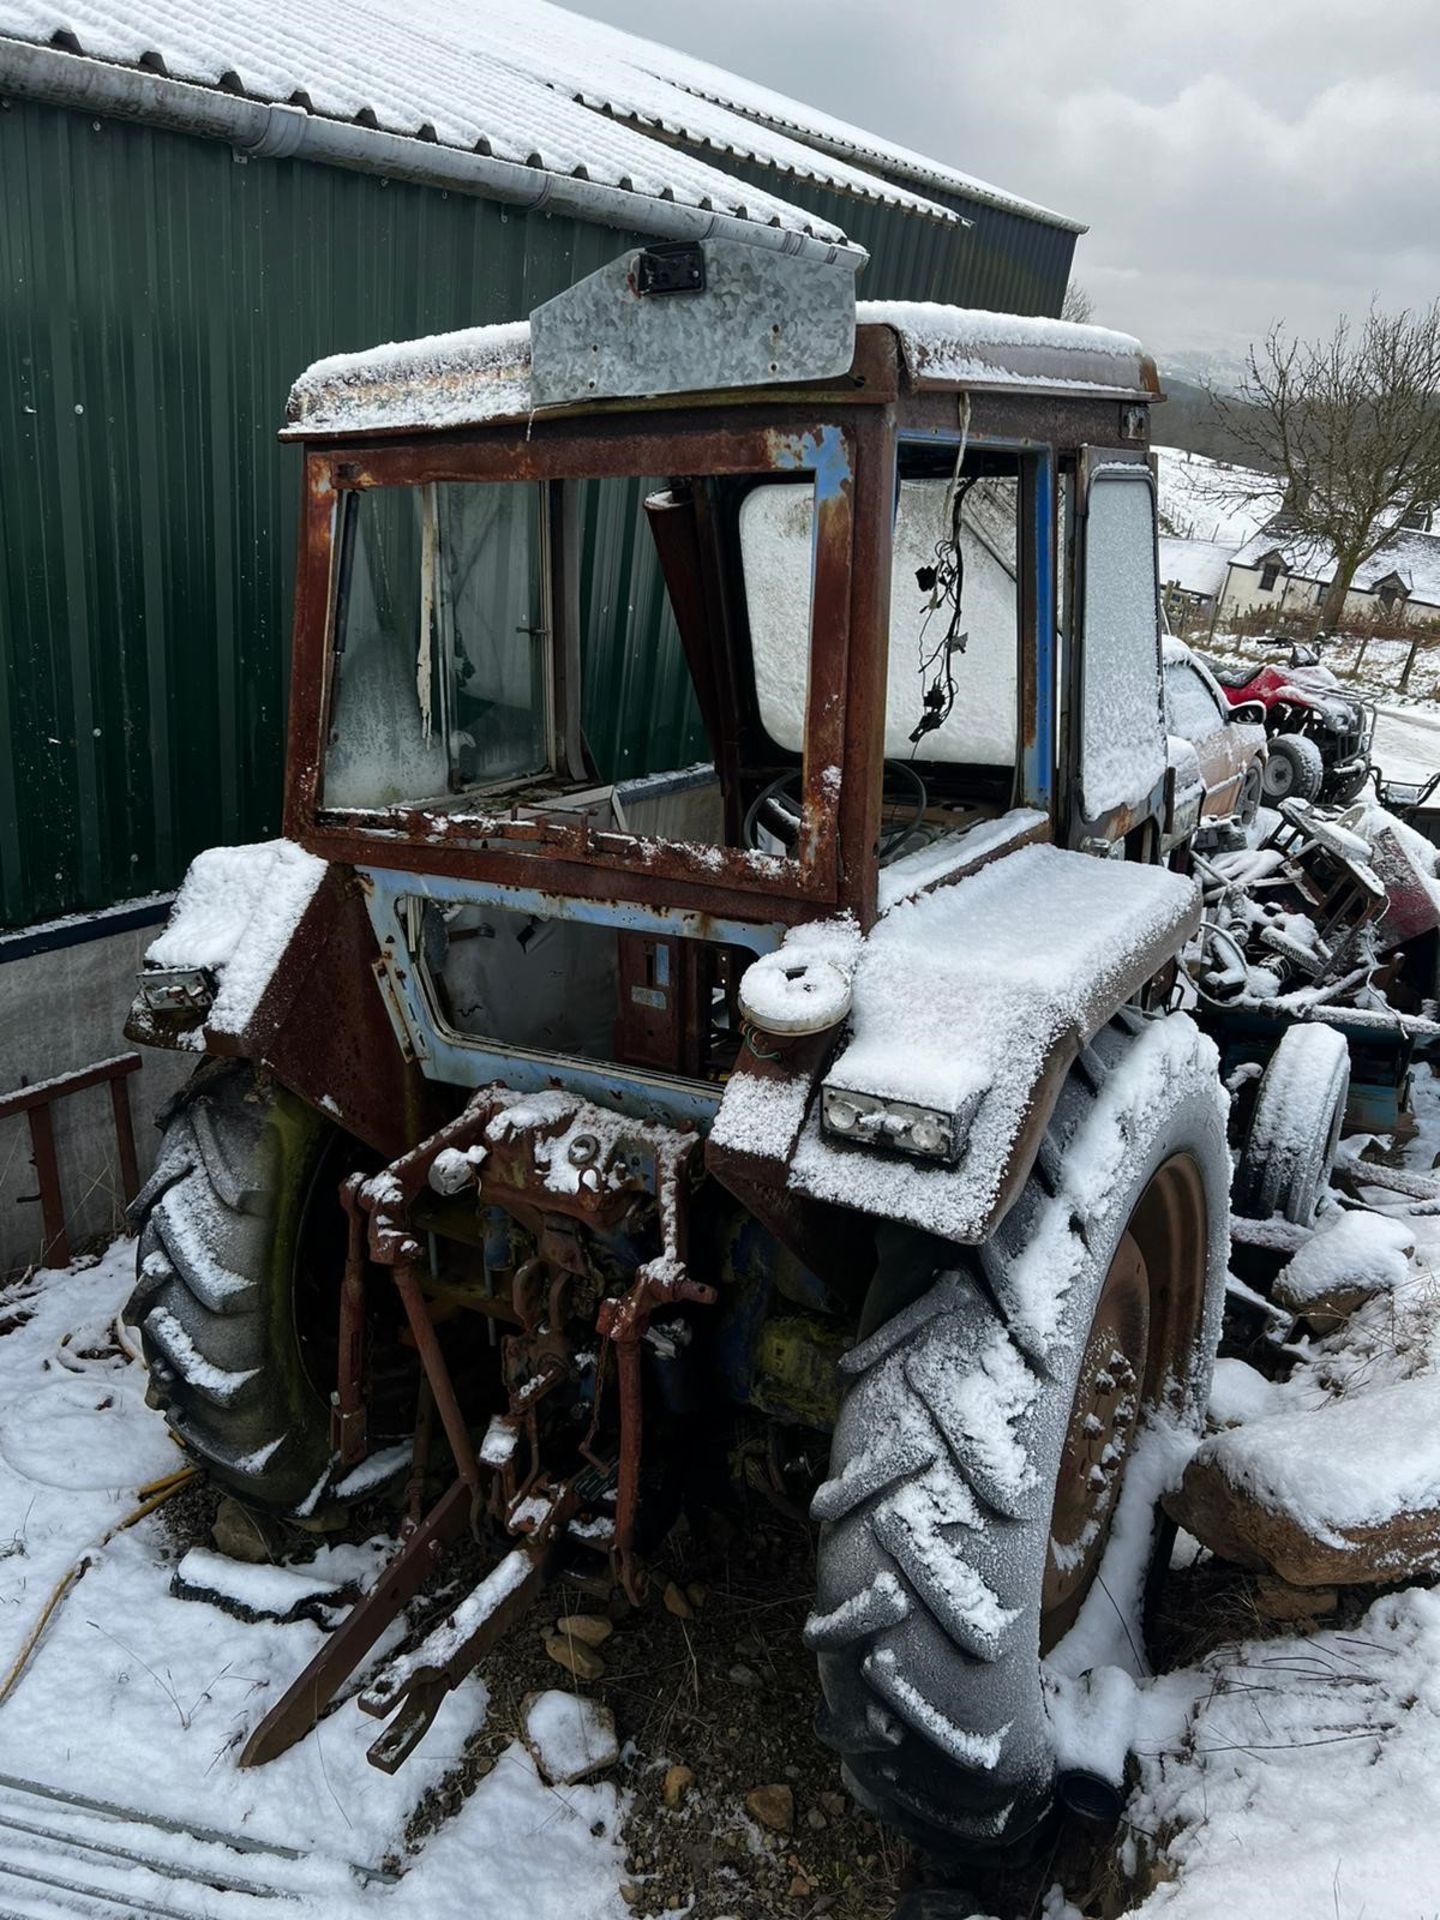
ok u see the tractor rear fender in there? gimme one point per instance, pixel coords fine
(971, 1003)
(283, 956)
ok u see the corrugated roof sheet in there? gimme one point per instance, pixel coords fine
(763, 106)
(642, 81)
(530, 83)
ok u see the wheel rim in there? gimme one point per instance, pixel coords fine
(1144, 1327)
(1097, 1441)
(1279, 775)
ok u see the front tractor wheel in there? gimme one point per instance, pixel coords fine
(983, 1442)
(239, 1265)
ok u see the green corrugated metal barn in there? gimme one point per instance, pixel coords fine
(184, 227)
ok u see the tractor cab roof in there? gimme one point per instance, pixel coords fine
(600, 343)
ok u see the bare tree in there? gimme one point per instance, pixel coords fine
(1351, 425)
(1078, 304)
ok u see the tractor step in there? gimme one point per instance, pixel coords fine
(63, 1854)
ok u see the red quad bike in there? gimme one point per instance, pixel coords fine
(1319, 736)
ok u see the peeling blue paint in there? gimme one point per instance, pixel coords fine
(457, 1061)
(823, 453)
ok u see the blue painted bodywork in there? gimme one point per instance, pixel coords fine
(822, 452)
(460, 1061)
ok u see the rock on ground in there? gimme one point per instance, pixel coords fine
(569, 1738)
(1339, 1494)
(1348, 1262)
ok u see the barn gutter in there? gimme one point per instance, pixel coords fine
(260, 130)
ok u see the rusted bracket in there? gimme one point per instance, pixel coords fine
(35, 1103)
(292, 1717)
(413, 1686)
(623, 1324)
(348, 1417)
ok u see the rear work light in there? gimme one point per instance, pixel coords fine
(176, 989)
(864, 1119)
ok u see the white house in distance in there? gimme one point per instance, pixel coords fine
(1227, 555)
(1192, 577)
(1276, 572)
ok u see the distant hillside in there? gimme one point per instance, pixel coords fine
(1209, 501)
(1188, 419)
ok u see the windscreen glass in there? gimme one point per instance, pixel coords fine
(951, 691)
(443, 677)
(473, 673)
(1190, 707)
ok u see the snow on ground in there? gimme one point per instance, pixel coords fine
(1407, 742)
(138, 1697)
(1294, 1778)
(1300, 1776)
(1282, 1779)
(1205, 499)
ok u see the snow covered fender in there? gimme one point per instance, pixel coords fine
(233, 924)
(286, 951)
(972, 1002)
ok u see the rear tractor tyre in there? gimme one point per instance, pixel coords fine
(1293, 768)
(237, 1284)
(982, 1444)
(1284, 1166)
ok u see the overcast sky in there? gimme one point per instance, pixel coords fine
(1237, 161)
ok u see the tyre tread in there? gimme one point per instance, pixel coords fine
(956, 1657)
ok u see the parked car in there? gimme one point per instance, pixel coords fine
(1229, 745)
(1319, 735)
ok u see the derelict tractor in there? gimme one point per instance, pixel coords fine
(565, 1136)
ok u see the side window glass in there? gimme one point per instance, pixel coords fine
(1190, 707)
(1121, 735)
(442, 644)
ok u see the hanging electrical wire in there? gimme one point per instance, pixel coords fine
(944, 582)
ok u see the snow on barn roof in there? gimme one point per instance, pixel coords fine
(521, 80)
(479, 375)
(820, 132)
(1195, 566)
(1413, 558)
